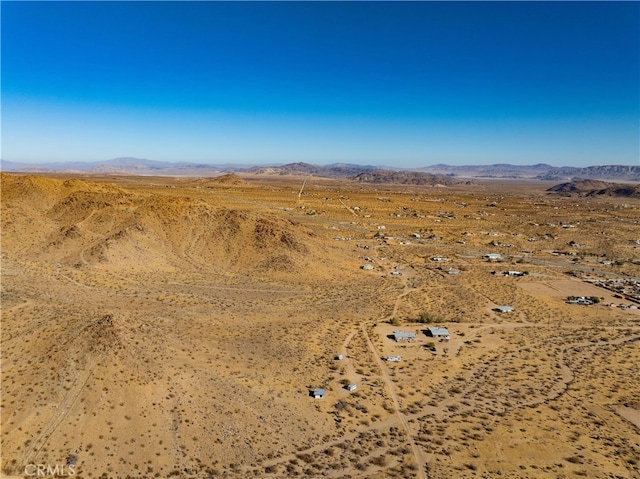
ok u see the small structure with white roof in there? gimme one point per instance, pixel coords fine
(437, 332)
(318, 393)
(400, 336)
(503, 309)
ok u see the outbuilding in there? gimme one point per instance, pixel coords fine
(503, 309)
(318, 393)
(437, 332)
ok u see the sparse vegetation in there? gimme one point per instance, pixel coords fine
(157, 328)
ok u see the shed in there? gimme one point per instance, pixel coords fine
(352, 387)
(318, 393)
(393, 359)
(402, 336)
(492, 256)
(367, 266)
(437, 332)
(513, 273)
(503, 309)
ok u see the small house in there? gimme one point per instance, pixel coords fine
(318, 393)
(513, 273)
(400, 336)
(367, 267)
(503, 309)
(437, 332)
(352, 387)
(339, 357)
(492, 256)
(393, 359)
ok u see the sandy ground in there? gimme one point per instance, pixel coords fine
(156, 327)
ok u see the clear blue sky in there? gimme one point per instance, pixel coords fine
(400, 84)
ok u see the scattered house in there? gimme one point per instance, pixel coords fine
(352, 387)
(382, 227)
(513, 273)
(452, 271)
(400, 336)
(492, 256)
(437, 332)
(318, 393)
(416, 235)
(438, 258)
(395, 273)
(581, 300)
(339, 357)
(393, 359)
(503, 309)
(367, 266)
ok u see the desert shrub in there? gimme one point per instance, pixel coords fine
(427, 318)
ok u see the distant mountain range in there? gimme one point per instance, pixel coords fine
(540, 171)
(596, 188)
(433, 174)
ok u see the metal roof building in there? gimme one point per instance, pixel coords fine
(402, 336)
(503, 309)
(437, 331)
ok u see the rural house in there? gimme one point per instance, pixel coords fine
(437, 332)
(503, 309)
(400, 336)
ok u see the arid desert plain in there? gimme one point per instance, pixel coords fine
(159, 327)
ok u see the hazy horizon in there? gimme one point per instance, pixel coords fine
(402, 85)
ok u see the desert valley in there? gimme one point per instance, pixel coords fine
(292, 326)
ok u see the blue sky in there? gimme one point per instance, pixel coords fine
(400, 84)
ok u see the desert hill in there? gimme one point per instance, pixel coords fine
(596, 188)
(337, 170)
(404, 178)
(602, 172)
(83, 222)
(229, 179)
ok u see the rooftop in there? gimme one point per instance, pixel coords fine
(403, 335)
(437, 331)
